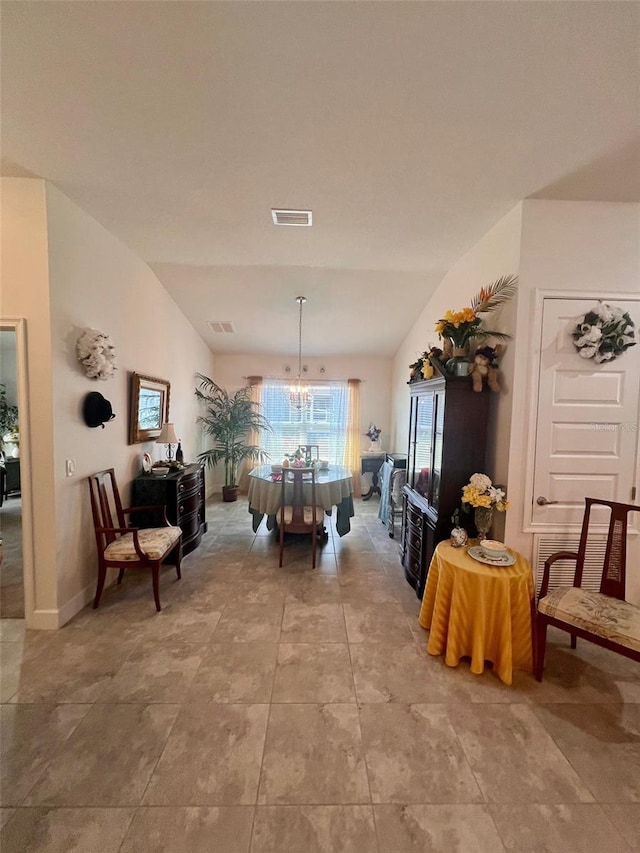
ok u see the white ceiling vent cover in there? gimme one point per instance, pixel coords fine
(221, 327)
(292, 217)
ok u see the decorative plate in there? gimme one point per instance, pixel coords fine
(478, 554)
(146, 463)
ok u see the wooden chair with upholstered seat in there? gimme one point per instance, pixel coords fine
(603, 617)
(298, 511)
(310, 451)
(123, 547)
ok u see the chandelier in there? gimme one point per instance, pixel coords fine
(299, 394)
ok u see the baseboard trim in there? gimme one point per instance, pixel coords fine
(52, 619)
(42, 620)
(75, 605)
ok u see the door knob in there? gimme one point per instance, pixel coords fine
(542, 501)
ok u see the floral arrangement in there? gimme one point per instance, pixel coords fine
(373, 433)
(422, 367)
(460, 326)
(97, 354)
(480, 492)
(604, 333)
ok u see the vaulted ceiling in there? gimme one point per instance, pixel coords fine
(409, 128)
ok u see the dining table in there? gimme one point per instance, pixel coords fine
(478, 610)
(334, 488)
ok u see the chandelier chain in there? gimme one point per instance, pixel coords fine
(301, 299)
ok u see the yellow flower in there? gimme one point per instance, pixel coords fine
(439, 328)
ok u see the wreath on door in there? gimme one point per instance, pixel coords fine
(604, 333)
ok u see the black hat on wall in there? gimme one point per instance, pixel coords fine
(96, 410)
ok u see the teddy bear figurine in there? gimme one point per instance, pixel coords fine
(484, 367)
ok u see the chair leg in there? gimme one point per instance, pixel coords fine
(541, 646)
(314, 536)
(155, 574)
(281, 534)
(574, 641)
(178, 561)
(102, 574)
(120, 575)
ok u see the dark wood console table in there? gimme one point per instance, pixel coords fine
(9, 477)
(182, 493)
(371, 464)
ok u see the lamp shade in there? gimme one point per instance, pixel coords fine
(167, 435)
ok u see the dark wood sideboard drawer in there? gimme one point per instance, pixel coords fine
(182, 494)
(189, 503)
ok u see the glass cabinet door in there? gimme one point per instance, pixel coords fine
(434, 496)
(421, 443)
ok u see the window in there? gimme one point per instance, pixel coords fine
(323, 422)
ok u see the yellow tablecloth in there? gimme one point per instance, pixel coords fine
(479, 611)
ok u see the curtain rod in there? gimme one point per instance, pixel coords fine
(304, 379)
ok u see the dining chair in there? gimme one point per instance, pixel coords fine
(602, 617)
(298, 509)
(123, 547)
(310, 451)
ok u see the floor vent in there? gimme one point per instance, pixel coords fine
(562, 571)
(221, 327)
(292, 217)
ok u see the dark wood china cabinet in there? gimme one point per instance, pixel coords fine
(447, 443)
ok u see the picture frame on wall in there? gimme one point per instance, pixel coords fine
(149, 407)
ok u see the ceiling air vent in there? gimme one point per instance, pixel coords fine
(221, 327)
(292, 217)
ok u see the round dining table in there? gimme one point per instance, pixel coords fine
(479, 611)
(334, 488)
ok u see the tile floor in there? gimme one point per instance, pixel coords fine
(271, 710)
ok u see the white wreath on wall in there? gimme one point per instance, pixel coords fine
(97, 354)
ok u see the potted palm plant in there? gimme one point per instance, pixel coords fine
(228, 420)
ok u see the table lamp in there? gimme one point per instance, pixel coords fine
(168, 436)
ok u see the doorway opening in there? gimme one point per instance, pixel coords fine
(11, 565)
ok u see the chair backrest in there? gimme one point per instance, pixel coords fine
(310, 450)
(298, 490)
(398, 482)
(106, 505)
(613, 578)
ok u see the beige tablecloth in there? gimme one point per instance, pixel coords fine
(334, 488)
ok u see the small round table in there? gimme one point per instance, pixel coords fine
(479, 611)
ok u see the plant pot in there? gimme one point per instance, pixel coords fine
(229, 493)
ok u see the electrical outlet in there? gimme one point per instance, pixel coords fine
(70, 467)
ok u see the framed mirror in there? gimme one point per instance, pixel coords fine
(149, 407)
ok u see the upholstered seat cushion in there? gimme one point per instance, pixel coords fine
(308, 514)
(155, 542)
(602, 615)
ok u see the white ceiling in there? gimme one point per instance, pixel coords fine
(408, 128)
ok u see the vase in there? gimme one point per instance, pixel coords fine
(483, 517)
(458, 364)
(459, 537)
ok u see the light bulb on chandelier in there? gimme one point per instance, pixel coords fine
(299, 394)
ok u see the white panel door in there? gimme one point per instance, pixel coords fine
(586, 442)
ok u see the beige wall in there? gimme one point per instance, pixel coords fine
(497, 254)
(586, 247)
(25, 294)
(573, 246)
(67, 273)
